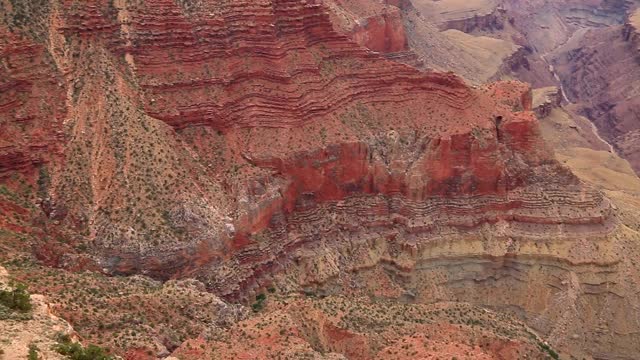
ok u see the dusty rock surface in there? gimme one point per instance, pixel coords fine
(39, 328)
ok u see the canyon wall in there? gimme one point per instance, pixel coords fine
(490, 21)
(252, 144)
(32, 97)
(601, 76)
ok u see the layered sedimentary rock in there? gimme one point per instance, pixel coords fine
(352, 176)
(587, 47)
(340, 145)
(302, 117)
(32, 97)
(463, 16)
(253, 144)
(383, 34)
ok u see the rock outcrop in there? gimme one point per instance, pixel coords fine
(384, 33)
(490, 21)
(545, 100)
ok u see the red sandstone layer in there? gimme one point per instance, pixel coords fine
(32, 99)
(214, 133)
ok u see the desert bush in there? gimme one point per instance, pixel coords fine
(16, 299)
(75, 351)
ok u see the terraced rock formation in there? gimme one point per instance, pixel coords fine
(32, 96)
(255, 145)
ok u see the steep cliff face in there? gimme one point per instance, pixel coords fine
(32, 98)
(378, 26)
(252, 144)
(383, 34)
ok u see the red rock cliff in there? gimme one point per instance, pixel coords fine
(218, 139)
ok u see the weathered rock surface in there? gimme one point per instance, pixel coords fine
(302, 117)
(545, 100)
(32, 97)
(252, 144)
(601, 75)
(39, 327)
(332, 328)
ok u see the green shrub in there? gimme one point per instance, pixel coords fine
(75, 351)
(16, 299)
(44, 180)
(33, 353)
(259, 304)
(549, 350)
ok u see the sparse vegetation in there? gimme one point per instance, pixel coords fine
(17, 299)
(75, 351)
(552, 353)
(33, 352)
(177, 311)
(259, 304)
(44, 181)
